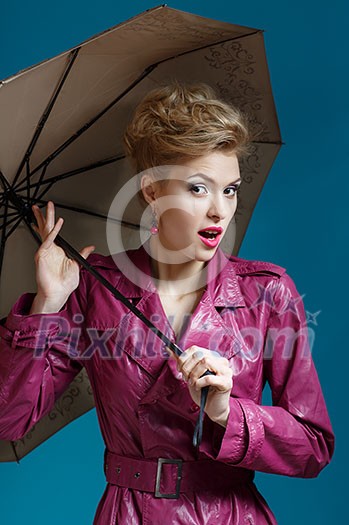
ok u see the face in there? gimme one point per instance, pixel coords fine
(195, 205)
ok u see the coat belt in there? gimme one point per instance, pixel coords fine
(168, 477)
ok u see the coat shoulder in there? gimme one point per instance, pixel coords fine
(254, 267)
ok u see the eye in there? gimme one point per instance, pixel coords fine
(231, 190)
(198, 189)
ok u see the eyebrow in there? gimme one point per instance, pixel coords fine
(206, 177)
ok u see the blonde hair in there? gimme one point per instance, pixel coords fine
(179, 122)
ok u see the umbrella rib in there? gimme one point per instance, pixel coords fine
(11, 214)
(8, 222)
(38, 184)
(4, 197)
(8, 234)
(71, 173)
(275, 142)
(3, 237)
(15, 452)
(10, 206)
(88, 124)
(209, 45)
(18, 204)
(27, 178)
(46, 114)
(95, 214)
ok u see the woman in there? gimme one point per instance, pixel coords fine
(243, 320)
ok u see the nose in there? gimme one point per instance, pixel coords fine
(218, 208)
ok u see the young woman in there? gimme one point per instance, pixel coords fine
(243, 320)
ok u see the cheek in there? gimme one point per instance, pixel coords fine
(231, 209)
(178, 220)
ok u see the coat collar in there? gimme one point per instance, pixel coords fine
(222, 282)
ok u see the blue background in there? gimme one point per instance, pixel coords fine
(299, 222)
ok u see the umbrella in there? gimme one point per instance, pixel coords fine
(61, 129)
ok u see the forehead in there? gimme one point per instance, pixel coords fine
(219, 167)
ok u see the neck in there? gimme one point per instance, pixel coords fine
(174, 279)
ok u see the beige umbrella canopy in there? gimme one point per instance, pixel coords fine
(60, 139)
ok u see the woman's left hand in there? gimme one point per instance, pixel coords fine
(193, 363)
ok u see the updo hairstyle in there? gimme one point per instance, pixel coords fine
(180, 122)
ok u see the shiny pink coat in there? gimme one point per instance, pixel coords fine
(250, 312)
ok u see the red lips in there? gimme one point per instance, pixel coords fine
(210, 236)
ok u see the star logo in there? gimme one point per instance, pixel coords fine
(311, 318)
(291, 304)
(266, 296)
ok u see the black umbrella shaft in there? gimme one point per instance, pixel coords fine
(25, 211)
(70, 251)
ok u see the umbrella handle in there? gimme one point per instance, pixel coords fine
(199, 422)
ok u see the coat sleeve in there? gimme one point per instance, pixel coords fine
(37, 361)
(294, 437)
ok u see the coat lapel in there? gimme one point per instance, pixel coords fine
(204, 327)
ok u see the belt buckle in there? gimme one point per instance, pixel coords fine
(171, 495)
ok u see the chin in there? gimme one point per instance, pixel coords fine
(191, 252)
(205, 255)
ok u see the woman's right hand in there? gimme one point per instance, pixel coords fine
(57, 275)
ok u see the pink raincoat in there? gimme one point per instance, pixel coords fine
(250, 312)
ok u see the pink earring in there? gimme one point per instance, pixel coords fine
(154, 225)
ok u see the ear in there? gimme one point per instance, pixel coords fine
(149, 188)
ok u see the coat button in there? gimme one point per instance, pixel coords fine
(194, 407)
